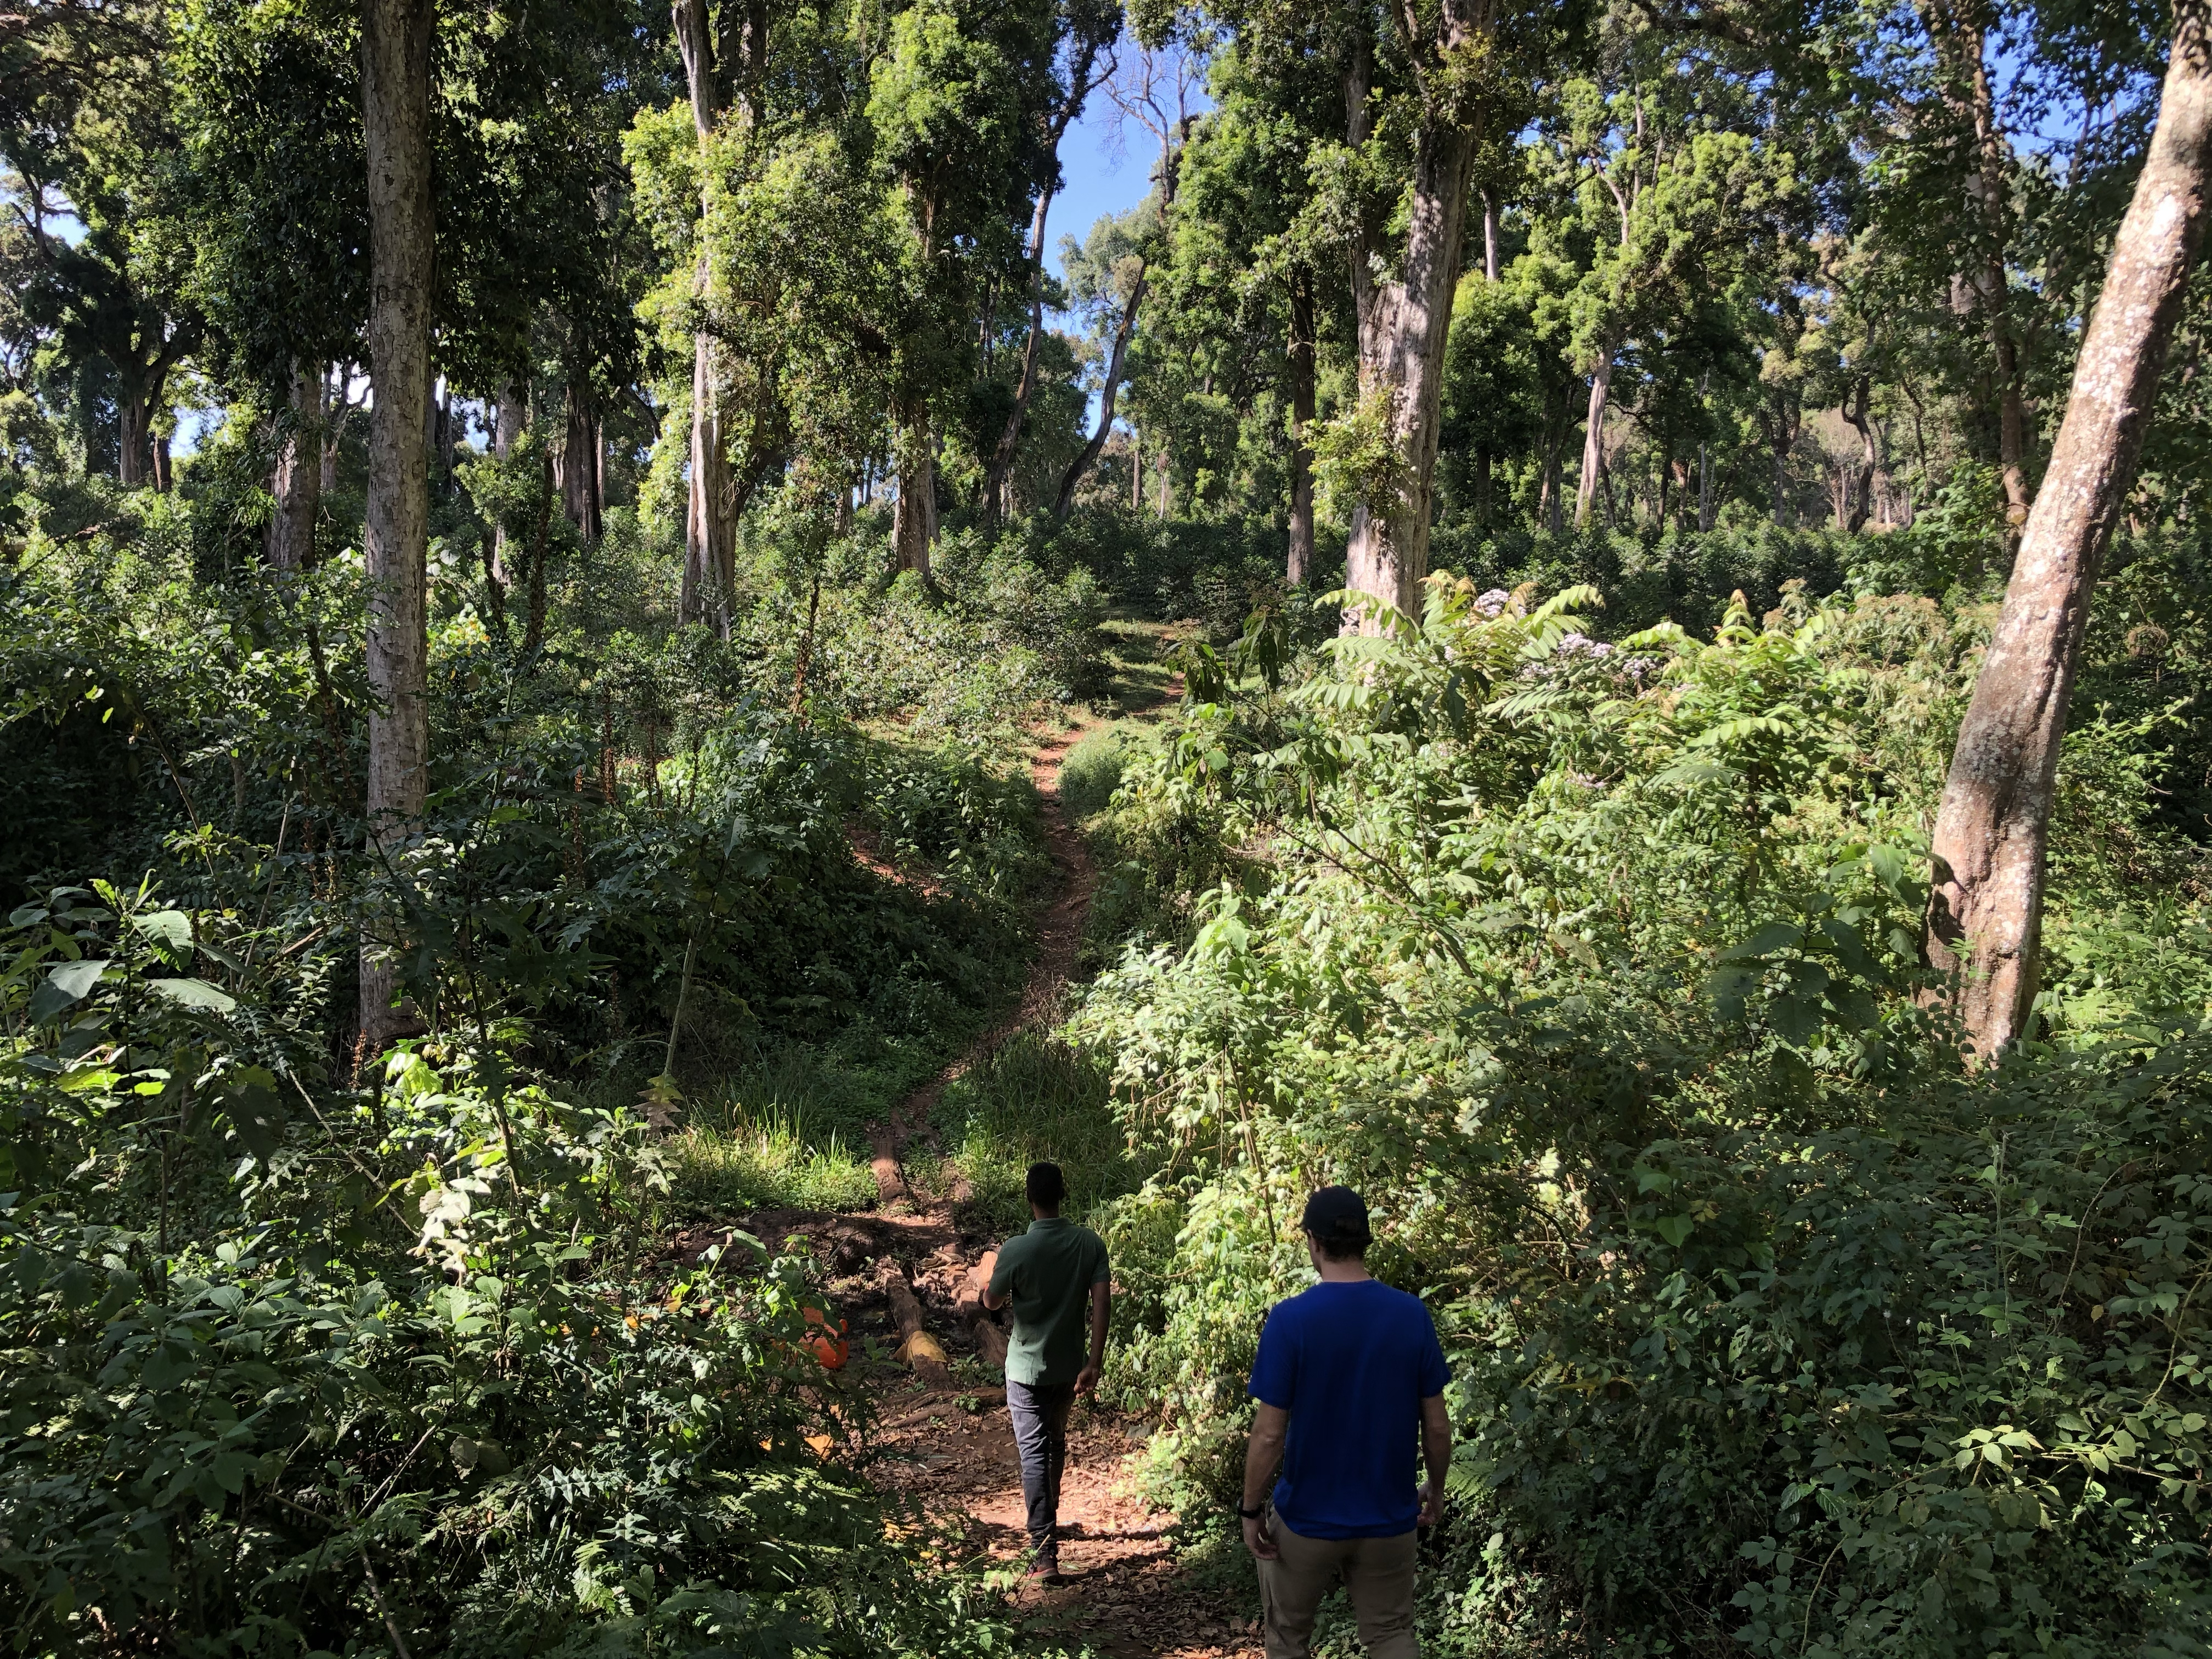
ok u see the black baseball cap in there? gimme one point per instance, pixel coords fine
(1335, 1213)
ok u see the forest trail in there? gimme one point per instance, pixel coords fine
(1126, 1597)
(953, 1448)
(899, 1274)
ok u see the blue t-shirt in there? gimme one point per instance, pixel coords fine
(1351, 1363)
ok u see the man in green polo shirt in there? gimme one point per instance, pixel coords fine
(1047, 1274)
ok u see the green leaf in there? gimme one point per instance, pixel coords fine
(255, 1110)
(1850, 949)
(1727, 987)
(170, 932)
(195, 994)
(1675, 1228)
(1765, 940)
(65, 985)
(1795, 1018)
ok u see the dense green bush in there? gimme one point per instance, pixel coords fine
(1596, 965)
(387, 1364)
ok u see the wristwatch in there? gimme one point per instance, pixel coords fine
(1251, 1514)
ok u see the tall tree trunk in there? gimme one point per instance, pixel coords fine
(395, 117)
(1782, 422)
(2004, 348)
(1489, 236)
(506, 427)
(1704, 487)
(1115, 359)
(914, 516)
(336, 411)
(1959, 30)
(1593, 436)
(1403, 322)
(1299, 566)
(580, 468)
(134, 441)
(1001, 464)
(1855, 412)
(710, 535)
(1985, 910)
(162, 475)
(298, 484)
(1063, 115)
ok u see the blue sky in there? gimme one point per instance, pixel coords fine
(1097, 180)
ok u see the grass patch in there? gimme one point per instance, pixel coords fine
(1091, 772)
(1036, 1099)
(787, 1133)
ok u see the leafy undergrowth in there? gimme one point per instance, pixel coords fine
(1595, 964)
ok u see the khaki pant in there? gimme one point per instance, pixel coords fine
(1377, 1571)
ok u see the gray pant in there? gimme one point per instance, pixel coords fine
(1040, 1413)
(1377, 1571)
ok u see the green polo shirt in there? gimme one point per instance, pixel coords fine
(1049, 1271)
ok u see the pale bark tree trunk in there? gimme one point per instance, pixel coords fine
(1001, 465)
(1985, 910)
(1593, 436)
(1489, 236)
(709, 537)
(1301, 366)
(1854, 413)
(2004, 348)
(396, 117)
(1115, 359)
(506, 427)
(1403, 322)
(337, 410)
(297, 485)
(996, 500)
(914, 516)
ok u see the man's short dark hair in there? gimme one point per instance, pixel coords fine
(1336, 1218)
(1046, 1186)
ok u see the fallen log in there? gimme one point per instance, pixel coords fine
(918, 1349)
(984, 1399)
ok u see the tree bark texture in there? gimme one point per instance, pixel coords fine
(1403, 322)
(709, 532)
(396, 114)
(134, 453)
(1299, 566)
(580, 466)
(298, 482)
(914, 516)
(1115, 359)
(1854, 413)
(1593, 436)
(1985, 910)
(506, 427)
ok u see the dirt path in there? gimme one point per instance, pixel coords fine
(946, 1435)
(1126, 1596)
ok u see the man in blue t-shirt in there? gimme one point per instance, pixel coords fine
(1349, 1380)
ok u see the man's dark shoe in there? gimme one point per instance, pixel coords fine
(1044, 1566)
